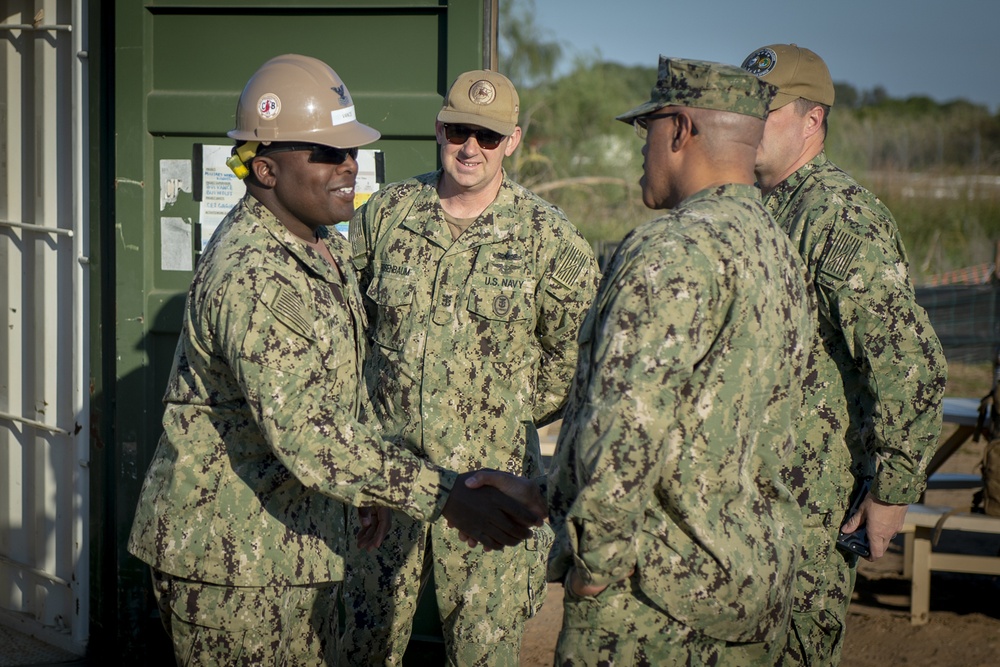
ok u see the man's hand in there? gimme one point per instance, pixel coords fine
(489, 517)
(375, 524)
(882, 522)
(521, 489)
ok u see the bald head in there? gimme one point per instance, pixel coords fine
(702, 124)
(728, 138)
(691, 149)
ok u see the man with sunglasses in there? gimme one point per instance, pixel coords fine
(242, 514)
(877, 378)
(476, 289)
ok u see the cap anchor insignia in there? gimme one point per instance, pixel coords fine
(482, 92)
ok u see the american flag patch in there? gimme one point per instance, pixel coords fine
(838, 257)
(569, 264)
(288, 304)
(359, 248)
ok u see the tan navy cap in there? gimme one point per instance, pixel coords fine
(796, 72)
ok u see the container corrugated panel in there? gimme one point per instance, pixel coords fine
(44, 324)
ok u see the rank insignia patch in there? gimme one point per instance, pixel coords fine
(501, 305)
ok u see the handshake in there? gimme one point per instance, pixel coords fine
(488, 507)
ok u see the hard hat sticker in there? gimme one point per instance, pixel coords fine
(341, 90)
(341, 116)
(268, 106)
(482, 92)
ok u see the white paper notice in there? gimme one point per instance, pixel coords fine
(175, 244)
(220, 189)
(175, 177)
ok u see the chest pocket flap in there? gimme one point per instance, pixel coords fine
(386, 290)
(495, 303)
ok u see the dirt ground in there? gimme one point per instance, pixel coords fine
(964, 626)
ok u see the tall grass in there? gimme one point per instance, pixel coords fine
(946, 221)
(969, 380)
(943, 228)
(937, 166)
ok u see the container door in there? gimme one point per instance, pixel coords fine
(179, 67)
(44, 323)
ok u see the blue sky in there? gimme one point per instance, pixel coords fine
(945, 50)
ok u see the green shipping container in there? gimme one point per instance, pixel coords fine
(112, 121)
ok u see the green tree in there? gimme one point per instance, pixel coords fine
(934, 164)
(527, 55)
(845, 95)
(577, 155)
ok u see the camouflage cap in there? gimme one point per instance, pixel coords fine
(705, 85)
(484, 98)
(796, 72)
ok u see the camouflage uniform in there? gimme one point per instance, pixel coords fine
(873, 390)
(262, 445)
(474, 345)
(668, 460)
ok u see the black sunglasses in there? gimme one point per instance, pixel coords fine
(640, 123)
(459, 134)
(318, 152)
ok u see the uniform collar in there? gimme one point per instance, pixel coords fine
(496, 223)
(726, 190)
(299, 250)
(784, 190)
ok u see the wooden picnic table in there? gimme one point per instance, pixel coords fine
(965, 413)
(923, 522)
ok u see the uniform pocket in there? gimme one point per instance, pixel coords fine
(504, 322)
(230, 609)
(394, 298)
(501, 305)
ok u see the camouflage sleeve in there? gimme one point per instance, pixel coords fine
(864, 289)
(565, 296)
(642, 340)
(303, 401)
